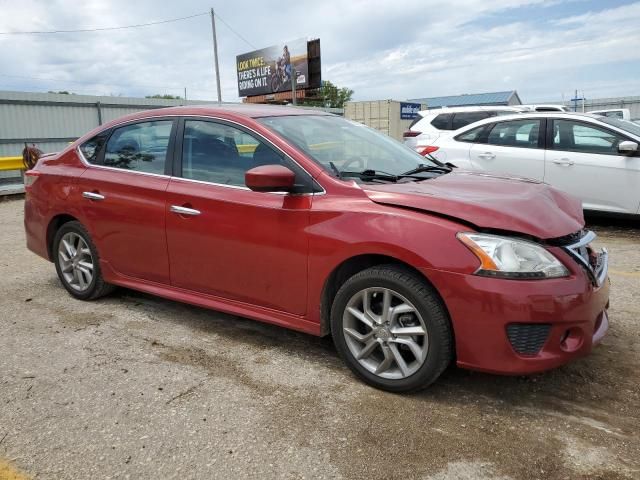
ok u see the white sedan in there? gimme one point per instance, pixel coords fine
(595, 158)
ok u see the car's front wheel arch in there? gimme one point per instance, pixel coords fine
(351, 266)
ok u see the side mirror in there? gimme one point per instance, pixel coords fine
(627, 147)
(270, 178)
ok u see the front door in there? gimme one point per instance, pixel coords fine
(583, 159)
(226, 240)
(124, 204)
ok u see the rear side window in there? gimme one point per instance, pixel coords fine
(516, 133)
(92, 147)
(442, 121)
(141, 147)
(463, 119)
(474, 135)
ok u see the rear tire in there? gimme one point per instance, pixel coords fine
(391, 329)
(77, 263)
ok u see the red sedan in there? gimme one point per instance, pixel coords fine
(315, 223)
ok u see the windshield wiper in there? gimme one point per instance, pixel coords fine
(335, 169)
(427, 168)
(370, 175)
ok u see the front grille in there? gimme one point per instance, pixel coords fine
(528, 338)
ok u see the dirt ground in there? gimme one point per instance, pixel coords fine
(133, 386)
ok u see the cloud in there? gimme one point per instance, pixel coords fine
(381, 49)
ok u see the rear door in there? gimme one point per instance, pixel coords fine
(514, 147)
(122, 193)
(583, 159)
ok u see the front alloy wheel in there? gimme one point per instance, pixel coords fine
(385, 333)
(391, 328)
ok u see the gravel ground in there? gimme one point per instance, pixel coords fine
(133, 386)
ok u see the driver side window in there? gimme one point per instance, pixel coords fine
(579, 137)
(221, 154)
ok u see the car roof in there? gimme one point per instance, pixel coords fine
(476, 108)
(223, 110)
(523, 116)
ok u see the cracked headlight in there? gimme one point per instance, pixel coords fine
(507, 257)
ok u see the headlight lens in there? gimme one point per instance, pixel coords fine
(512, 258)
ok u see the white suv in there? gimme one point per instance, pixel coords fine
(429, 125)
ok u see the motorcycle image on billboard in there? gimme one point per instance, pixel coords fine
(270, 69)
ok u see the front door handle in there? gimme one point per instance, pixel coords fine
(184, 210)
(565, 162)
(487, 155)
(93, 196)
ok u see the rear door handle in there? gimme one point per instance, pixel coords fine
(184, 210)
(487, 155)
(93, 196)
(563, 161)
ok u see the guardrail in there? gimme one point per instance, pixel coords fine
(11, 163)
(11, 187)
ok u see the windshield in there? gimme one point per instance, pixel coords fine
(341, 145)
(626, 125)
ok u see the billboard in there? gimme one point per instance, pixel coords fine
(409, 111)
(269, 70)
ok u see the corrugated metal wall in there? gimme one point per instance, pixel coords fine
(53, 120)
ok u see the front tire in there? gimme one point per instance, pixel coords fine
(77, 262)
(391, 329)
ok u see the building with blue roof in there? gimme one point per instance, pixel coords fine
(469, 99)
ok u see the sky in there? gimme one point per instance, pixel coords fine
(397, 49)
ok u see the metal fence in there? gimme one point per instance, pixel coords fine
(632, 103)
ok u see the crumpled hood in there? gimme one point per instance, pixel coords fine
(488, 201)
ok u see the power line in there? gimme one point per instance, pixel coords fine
(102, 29)
(239, 36)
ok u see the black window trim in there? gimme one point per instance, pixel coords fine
(453, 117)
(169, 161)
(313, 186)
(550, 135)
(449, 120)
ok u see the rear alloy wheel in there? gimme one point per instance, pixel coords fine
(77, 262)
(391, 329)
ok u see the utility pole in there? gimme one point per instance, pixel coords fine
(575, 101)
(215, 54)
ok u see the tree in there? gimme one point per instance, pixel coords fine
(165, 96)
(330, 95)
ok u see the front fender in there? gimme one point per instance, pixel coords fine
(421, 240)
